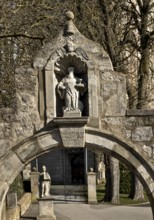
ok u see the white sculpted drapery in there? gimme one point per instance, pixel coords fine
(69, 88)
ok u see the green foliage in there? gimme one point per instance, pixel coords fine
(100, 189)
(17, 186)
(125, 179)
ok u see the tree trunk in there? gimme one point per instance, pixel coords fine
(112, 180)
(137, 192)
(109, 35)
(132, 190)
(143, 80)
(143, 71)
(115, 177)
(108, 196)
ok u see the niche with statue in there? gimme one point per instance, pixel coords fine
(72, 87)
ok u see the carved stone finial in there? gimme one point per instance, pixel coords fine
(91, 169)
(69, 29)
(69, 15)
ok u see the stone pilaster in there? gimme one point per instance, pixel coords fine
(91, 181)
(35, 185)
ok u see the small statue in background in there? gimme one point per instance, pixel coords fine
(45, 182)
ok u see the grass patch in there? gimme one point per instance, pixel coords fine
(124, 199)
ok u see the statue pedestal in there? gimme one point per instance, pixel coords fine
(46, 209)
(72, 114)
(72, 130)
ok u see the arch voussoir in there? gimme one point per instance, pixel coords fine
(10, 167)
(38, 144)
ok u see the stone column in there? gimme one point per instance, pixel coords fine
(50, 94)
(46, 209)
(92, 93)
(91, 181)
(41, 94)
(34, 185)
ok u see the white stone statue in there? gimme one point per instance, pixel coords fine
(101, 171)
(68, 89)
(45, 182)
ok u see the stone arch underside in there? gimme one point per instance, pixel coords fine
(43, 142)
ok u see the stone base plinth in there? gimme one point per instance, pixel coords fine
(46, 209)
(72, 114)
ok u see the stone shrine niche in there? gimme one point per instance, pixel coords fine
(71, 52)
(72, 86)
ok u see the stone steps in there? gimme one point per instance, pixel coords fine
(31, 213)
(76, 190)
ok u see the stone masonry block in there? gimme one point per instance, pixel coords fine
(142, 133)
(27, 151)
(12, 200)
(10, 167)
(4, 146)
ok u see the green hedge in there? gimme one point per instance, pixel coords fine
(17, 186)
(125, 179)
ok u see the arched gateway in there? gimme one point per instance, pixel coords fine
(45, 141)
(72, 98)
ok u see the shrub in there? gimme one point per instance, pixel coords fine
(125, 179)
(17, 186)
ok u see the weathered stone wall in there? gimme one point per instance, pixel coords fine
(137, 126)
(113, 95)
(23, 120)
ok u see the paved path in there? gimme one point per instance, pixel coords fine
(79, 211)
(101, 212)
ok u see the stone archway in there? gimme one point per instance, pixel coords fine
(42, 142)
